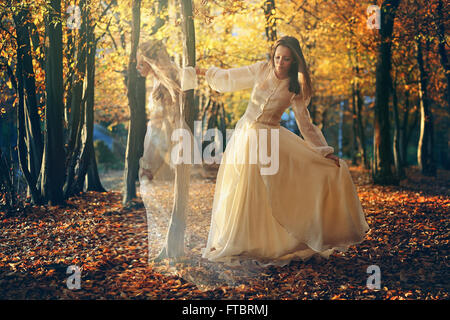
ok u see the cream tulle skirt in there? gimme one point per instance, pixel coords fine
(309, 206)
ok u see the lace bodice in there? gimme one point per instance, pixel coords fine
(269, 99)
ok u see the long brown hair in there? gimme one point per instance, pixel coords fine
(154, 53)
(297, 66)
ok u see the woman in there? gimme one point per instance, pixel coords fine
(309, 204)
(168, 80)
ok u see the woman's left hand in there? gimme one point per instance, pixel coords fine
(333, 157)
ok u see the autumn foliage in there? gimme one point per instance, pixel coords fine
(113, 244)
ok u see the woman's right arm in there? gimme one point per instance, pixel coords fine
(234, 79)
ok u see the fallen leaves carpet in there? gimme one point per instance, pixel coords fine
(94, 231)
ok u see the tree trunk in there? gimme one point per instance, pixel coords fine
(25, 75)
(403, 131)
(136, 104)
(52, 171)
(425, 157)
(70, 57)
(162, 8)
(382, 161)
(223, 125)
(341, 128)
(357, 118)
(361, 128)
(398, 161)
(6, 182)
(446, 65)
(87, 151)
(407, 130)
(22, 149)
(207, 103)
(356, 148)
(93, 179)
(77, 103)
(35, 39)
(271, 25)
(441, 47)
(174, 245)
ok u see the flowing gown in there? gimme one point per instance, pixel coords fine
(305, 204)
(158, 144)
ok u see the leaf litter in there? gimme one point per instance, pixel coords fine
(110, 243)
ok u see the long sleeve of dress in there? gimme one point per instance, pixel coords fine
(226, 80)
(188, 78)
(310, 132)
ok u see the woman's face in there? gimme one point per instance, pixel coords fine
(283, 60)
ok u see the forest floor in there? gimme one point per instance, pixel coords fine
(408, 241)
